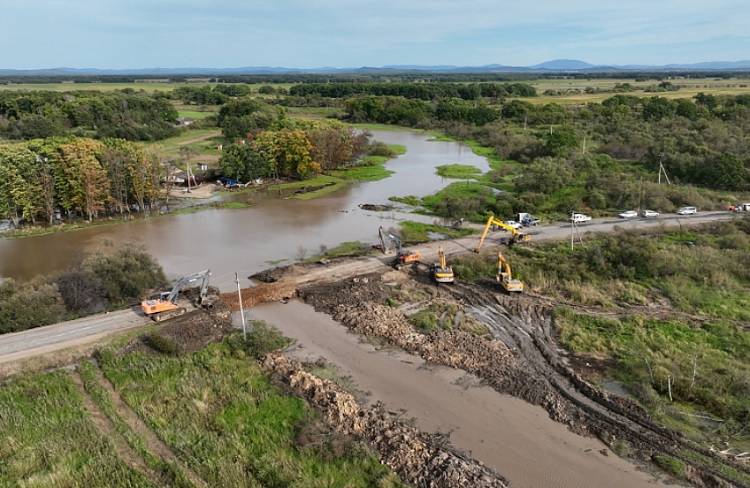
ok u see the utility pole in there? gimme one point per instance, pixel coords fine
(242, 310)
(188, 176)
(663, 170)
(584, 145)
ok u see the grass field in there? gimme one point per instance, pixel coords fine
(229, 424)
(49, 440)
(203, 142)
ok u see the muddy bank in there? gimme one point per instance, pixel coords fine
(516, 439)
(525, 363)
(416, 457)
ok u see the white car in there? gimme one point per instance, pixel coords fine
(629, 214)
(687, 211)
(580, 218)
(513, 223)
(649, 214)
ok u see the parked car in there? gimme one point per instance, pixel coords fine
(628, 214)
(513, 223)
(527, 220)
(649, 214)
(580, 218)
(687, 211)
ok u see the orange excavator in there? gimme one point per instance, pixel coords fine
(165, 306)
(515, 234)
(403, 258)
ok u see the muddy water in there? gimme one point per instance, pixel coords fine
(248, 240)
(516, 439)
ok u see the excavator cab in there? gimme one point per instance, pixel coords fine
(441, 272)
(505, 276)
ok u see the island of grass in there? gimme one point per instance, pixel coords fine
(458, 171)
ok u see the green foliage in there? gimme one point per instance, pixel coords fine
(225, 419)
(239, 118)
(458, 171)
(125, 274)
(469, 200)
(27, 305)
(650, 354)
(422, 91)
(670, 464)
(132, 116)
(263, 339)
(49, 440)
(160, 343)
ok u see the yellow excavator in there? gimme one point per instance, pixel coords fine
(515, 234)
(441, 272)
(165, 306)
(505, 276)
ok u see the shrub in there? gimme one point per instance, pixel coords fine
(160, 343)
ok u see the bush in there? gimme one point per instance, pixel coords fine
(160, 343)
(28, 305)
(82, 292)
(126, 274)
(263, 339)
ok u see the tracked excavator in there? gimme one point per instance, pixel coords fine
(441, 272)
(165, 306)
(389, 241)
(505, 276)
(515, 234)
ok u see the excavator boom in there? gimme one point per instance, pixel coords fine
(516, 235)
(166, 306)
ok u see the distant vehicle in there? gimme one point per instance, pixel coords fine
(649, 214)
(687, 211)
(5, 225)
(527, 220)
(514, 224)
(580, 218)
(628, 214)
(740, 207)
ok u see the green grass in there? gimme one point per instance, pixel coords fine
(649, 353)
(49, 440)
(467, 199)
(416, 232)
(195, 114)
(344, 250)
(458, 171)
(203, 142)
(222, 416)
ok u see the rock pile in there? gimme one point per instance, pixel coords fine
(413, 455)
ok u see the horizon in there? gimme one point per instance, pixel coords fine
(336, 33)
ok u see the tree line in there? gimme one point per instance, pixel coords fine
(297, 150)
(124, 114)
(46, 178)
(420, 91)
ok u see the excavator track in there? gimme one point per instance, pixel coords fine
(528, 331)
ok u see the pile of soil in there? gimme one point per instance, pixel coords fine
(270, 275)
(419, 459)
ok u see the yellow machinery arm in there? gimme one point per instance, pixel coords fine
(441, 258)
(516, 235)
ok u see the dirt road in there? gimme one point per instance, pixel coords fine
(34, 342)
(509, 435)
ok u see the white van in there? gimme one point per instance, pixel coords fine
(687, 211)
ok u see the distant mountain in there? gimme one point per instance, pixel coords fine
(553, 66)
(563, 65)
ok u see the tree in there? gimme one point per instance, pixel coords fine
(243, 162)
(89, 183)
(288, 151)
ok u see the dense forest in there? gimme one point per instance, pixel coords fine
(422, 91)
(47, 179)
(123, 114)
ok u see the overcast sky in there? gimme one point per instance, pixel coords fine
(351, 33)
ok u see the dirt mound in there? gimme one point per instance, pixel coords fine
(375, 207)
(328, 296)
(416, 457)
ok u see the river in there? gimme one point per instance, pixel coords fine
(251, 239)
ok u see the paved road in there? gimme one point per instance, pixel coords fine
(34, 342)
